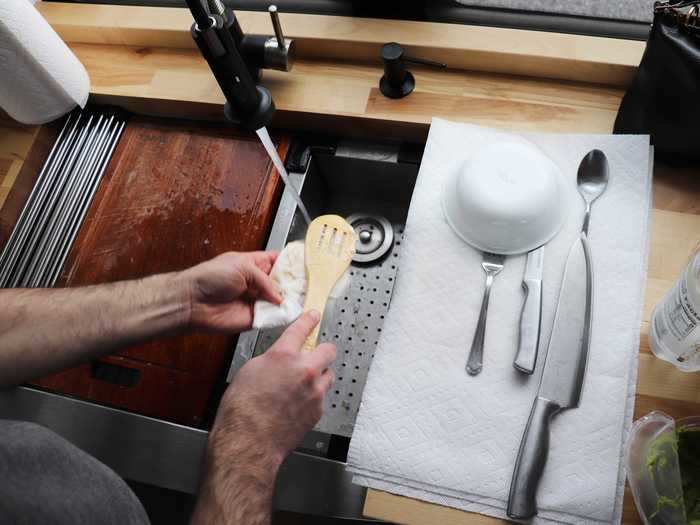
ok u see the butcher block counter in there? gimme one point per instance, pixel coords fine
(508, 79)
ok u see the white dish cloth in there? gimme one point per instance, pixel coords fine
(289, 273)
(425, 428)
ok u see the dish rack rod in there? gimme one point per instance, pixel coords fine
(38, 246)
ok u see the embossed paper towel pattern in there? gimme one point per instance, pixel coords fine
(425, 429)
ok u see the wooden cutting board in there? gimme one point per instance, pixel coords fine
(174, 194)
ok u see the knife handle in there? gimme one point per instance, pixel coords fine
(532, 457)
(526, 357)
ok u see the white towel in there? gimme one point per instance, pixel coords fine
(289, 273)
(428, 430)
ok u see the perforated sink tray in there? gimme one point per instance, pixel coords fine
(346, 185)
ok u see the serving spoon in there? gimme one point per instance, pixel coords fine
(592, 179)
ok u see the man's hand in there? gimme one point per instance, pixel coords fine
(273, 401)
(277, 397)
(223, 290)
(47, 330)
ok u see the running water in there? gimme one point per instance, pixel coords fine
(272, 152)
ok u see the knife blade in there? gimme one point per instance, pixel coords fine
(562, 378)
(526, 356)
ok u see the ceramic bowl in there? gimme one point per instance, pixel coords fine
(508, 198)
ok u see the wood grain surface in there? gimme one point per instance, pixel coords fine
(475, 48)
(320, 94)
(16, 143)
(174, 194)
(23, 150)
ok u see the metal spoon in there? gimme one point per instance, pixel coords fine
(593, 175)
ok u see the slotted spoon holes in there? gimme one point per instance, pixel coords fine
(335, 244)
(321, 237)
(341, 243)
(332, 244)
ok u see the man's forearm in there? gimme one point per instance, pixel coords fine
(46, 330)
(272, 403)
(238, 487)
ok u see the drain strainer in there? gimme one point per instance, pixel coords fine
(375, 236)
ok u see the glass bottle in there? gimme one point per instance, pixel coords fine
(675, 323)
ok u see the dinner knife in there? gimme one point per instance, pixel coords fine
(526, 356)
(562, 378)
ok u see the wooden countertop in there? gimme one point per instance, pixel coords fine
(475, 48)
(323, 92)
(335, 79)
(15, 143)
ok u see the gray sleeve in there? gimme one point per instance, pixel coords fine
(46, 479)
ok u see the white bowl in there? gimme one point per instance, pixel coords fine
(508, 198)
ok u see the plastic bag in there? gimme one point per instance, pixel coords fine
(653, 468)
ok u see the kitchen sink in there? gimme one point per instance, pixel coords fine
(371, 185)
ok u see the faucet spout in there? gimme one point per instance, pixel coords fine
(219, 38)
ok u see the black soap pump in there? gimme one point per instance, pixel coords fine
(397, 81)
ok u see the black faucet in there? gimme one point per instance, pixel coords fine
(236, 60)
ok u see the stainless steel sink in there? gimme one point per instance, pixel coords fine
(372, 186)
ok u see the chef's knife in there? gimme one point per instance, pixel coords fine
(562, 378)
(526, 356)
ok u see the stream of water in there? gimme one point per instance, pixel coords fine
(272, 152)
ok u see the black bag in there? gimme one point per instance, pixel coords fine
(664, 98)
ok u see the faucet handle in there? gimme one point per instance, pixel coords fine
(278, 51)
(276, 25)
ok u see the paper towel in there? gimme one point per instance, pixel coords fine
(41, 77)
(425, 428)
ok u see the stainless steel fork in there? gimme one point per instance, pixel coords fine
(492, 265)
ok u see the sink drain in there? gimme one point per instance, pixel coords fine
(375, 236)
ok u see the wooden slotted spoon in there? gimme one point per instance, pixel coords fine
(328, 250)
